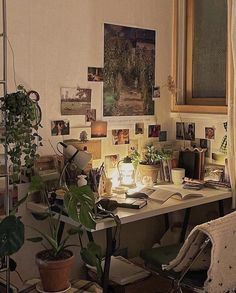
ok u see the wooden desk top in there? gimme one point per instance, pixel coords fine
(153, 208)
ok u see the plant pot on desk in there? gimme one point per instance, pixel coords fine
(54, 274)
(149, 171)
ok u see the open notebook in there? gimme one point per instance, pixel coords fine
(163, 193)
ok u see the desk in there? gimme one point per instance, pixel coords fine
(153, 208)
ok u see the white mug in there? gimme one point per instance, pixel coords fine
(178, 175)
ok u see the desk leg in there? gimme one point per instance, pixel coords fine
(90, 236)
(185, 224)
(221, 208)
(105, 277)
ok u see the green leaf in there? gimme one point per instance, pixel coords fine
(35, 239)
(20, 202)
(11, 235)
(36, 184)
(76, 230)
(86, 217)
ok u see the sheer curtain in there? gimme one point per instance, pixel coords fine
(232, 100)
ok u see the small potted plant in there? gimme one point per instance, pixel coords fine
(55, 260)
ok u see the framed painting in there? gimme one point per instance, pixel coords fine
(129, 71)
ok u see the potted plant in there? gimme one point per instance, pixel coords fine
(150, 164)
(22, 121)
(55, 260)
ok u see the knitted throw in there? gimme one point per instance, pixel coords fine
(221, 275)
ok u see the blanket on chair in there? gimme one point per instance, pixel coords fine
(221, 275)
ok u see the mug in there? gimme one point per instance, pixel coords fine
(178, 175)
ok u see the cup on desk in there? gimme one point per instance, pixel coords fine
(178, 175)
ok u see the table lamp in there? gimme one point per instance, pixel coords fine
(80, 158)
(126, 172)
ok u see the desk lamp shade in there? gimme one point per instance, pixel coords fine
(80, 158)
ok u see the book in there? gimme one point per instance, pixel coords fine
(163, 193)
(122, 271)
(131, 203)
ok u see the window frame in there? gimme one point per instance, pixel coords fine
(179, 64)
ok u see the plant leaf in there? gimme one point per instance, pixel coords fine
(41, 216)
(86, 217)
(11, 235)
(35, 239)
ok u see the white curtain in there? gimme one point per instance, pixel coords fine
(232, 99)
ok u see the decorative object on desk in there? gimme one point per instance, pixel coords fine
(55, 262)
(178, 175)
(83, 136)
(22, 121)
(120, 136)
(218, 158)
(98, 129)
(193, 161)
(108, 187)
(128, 91)
(75, 100)
(80, 158)
(81, 180)
(126, 172)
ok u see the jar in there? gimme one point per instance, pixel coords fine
(81, 180)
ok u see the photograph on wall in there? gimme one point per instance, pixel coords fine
(2, 134)
(90, 115)
(129, 71)
(95, 74)
(139, 128)
(204, 144)
(179, 130)
(75, 101)
(60, 127)
(133, 146)
(163, 136)
(98, 129)
(120, 136)
(154, 130)
(156, 92)
(189, 131)
(210, 132)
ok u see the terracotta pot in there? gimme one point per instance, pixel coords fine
(149, 170)
(54, 274)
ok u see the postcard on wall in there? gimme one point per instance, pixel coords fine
(98, 129)
(210, 132)
(139, 128)
(154, 130)
(90, 115)
(156, 92)
(129, 71)
(133, 146)
(60, 127)
(95, 74)
(75, 101)
(120, 136)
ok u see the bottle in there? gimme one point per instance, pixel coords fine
(108, 186)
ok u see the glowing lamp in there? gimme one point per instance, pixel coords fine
(126, 172)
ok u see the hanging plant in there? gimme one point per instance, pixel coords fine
(22, 121)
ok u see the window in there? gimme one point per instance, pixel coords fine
(201, 68)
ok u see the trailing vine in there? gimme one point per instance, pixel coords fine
(22, 121)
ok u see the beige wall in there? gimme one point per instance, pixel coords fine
(54, 41)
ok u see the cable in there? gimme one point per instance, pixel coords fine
(13, 61)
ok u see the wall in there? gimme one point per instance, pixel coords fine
(54, 41)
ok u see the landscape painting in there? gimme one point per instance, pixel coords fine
(129, 71)
(75, 101)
